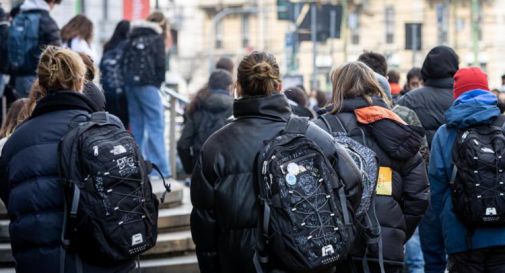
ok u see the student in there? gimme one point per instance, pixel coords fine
(298, 101)
(29, 183)
(359, 107)
(77, 35)
(143, 66)
(471, 247)
(47, 34)
(206, 114)
(224, 220)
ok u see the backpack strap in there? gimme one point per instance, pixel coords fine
(297, 125)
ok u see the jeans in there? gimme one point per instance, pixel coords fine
(486, 260)
(432, 243)
(147, 124)
(414, 255)
(24, 85)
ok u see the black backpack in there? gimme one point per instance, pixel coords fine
(111, 212)
(23, 43)
(478, 178)
(4, 47)
(369, 229)
(110, 68)
(138, 60)
(306, 221)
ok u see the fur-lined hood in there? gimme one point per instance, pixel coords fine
(145, 24)
(35, 5)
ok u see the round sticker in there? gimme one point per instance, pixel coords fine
(293, 168)
(291, 179)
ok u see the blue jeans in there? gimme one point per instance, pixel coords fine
(432, 243)
(414, 255)
(24, 85)
(147, 124)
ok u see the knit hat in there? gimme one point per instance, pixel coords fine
(469, 78)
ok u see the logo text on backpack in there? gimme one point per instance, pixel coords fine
(491, 211)
(118, 149)
(137, 239)
(327, 250)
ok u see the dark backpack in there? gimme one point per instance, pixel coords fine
(110, 69)
(23, 46)
(138, 60)
(4, 47)
(111, 212)
(478, 179)
(305, 219)
(369, 229)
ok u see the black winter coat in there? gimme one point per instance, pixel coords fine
(30, 187)
(430, 104)
(144, 55)
(49, 34)
(209, 116)
(224, 218)
(399, 213)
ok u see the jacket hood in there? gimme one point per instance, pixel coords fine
(34, 5)
(473, 108)
(138, 27)
(441, 62)
(218, 101)
(274, 107)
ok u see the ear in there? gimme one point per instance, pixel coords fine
(279, 87)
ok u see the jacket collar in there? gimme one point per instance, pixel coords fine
(358, 102)
(445, 83)
(34, 5)
(147, 25)
(274, 107)
(63, 100)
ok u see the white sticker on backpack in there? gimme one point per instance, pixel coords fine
(327, 250)
(491, 212)
(137, 239)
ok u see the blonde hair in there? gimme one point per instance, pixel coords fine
(15, 116)
(354, 79)
(60, 69)
(258, 74)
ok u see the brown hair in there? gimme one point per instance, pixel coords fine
(258, 74)
(91, 69)
(79, 26)
(14, 117)
(354, 79)
(158, 17)
(60, 69)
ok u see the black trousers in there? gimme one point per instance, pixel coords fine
(487, 260)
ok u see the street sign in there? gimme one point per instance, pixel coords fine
(413, 36)
(324, 27)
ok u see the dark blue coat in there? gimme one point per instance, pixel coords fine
(31, 190)
(470, 109)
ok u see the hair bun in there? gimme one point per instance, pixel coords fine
(262, 71)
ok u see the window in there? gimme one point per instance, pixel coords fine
(354, 27)
(245, 31)
(390, 24)
(442, 11)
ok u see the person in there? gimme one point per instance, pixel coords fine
(376, 61)
(225, 63)
(77, 35)
(224, 219)
(470, 249)
(48, 34)
(110, 67)
(144, 71)
(414, 80)
(13, 119)
(394, 83)
(360, 107)
(61, 75)
(430, 103)
(298, 101)
(206, 114)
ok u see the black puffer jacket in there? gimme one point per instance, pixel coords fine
(30, 187)
(224, 219)
(209, 116)
(399, 213)
(144, 55)
(431, 101)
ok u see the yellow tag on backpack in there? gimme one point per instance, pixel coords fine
(385, 181)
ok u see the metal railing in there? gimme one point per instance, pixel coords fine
(174, 104)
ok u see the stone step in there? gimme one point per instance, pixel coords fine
(182, 264)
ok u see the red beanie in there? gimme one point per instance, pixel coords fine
(469, 78)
